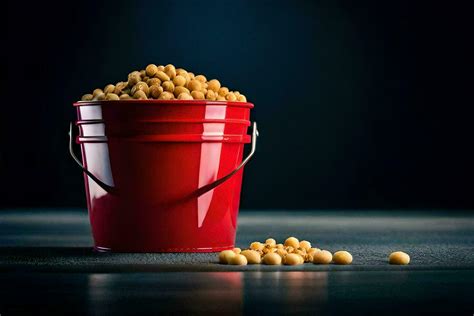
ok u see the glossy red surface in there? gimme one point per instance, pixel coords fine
(156, 155)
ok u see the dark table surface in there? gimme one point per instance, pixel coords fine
(47, 266)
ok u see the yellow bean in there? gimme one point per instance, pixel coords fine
(162, 76)
(179, 81)
(181, 72)
(119, 87)
(96, 92)
(151, 70)
(241, 98)
(161, 68)
(153, 81)
(272, 259)
(99, 97)
(111, 96)
(185, 96)
(178, 90)
(256, 245)
(109, 88)
(201, 78)
(271, 242)
(223, 91)
(166, 95)
(141, 86)
(342, 257)
(292, 242)
(140, 95)
(231, 97)
(225, 255)
(214, 85)
(87, 97)
(220, 98)
(399, 257)
(306, 245)
(170, 70)
(197, 95)
(210, 95)
(237, 250)
(253, 257)
(281, 252)
(134, 78)
(292, 259)
(125, 97)
(238, 260)
(168, 86)
(268, 249)
(195, 85)
(322, 257)
(155, 91)
(311, 251)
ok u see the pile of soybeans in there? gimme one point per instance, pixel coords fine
(165, 83)
(293, 252)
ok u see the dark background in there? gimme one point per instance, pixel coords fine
(359, 104)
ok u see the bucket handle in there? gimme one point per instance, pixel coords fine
(103, 185)
(210, 186)
(199, 192)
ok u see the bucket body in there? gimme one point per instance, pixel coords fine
(156, 156)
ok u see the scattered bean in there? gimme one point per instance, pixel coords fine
(342, 257)
(238, 260)
(292, 259)
(225, 255)
(399, 258)
(253, 257)
(322, 257)
(272, 259)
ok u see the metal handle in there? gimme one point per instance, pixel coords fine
(214, 184)
(103, 185)
(199, 192)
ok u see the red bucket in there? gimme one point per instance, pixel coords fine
(163, 176)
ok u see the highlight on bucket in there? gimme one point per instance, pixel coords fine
(163, 175)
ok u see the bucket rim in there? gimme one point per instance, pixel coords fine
(167, 102)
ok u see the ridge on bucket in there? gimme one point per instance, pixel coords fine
(163, 176)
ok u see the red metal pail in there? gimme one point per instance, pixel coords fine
(163, 176)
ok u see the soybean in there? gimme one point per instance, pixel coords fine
(253, 257)
(182, 84)
(151, 70)
(197, 95)
(238, 260)
(225, 255)
(292, 259)
(271, 242)
(306, 245)
(272, 259)
(179, 81)
(87, 97)
(342, 257)
(256, 246)
(292, 242)
(399, 258)
(322, 257)
(112, 96)
(185, 96)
